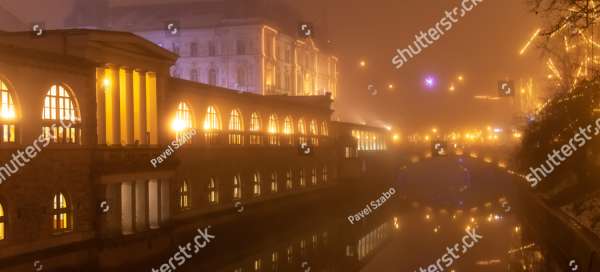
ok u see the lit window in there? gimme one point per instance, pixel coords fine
(211, 121)
(313, 128)
(255, 122)
(183, 120)
(324, 173)
(301, 127)
(301, 178)
(274, 185)
(8, 115)
(60, 213)
(313, 176)
(235, 127)
(257, 265)
(288, 126)
(255, 127)
(213, 193)
(273, 129)
(256, 184)
(2, 223)
(288, 180)
(324, 129)
(60, 110)
(237, 187)
(184, 195)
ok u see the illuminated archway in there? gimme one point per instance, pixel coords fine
(61, 213)
(8, 114)
(60, 116)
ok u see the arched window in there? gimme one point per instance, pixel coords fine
(273, 129)
(255, 122)
(302, 181)
(212, 76)
(288, 180)
(237, 187)
(235, 127)
(313, 176)
(324, 128)
(61, 214)
(213, 192)
(314, 129)
(212, 120)
(183, 120)
(301, 127)
(184, 195)
(8, 115)
(255, 126)
(274, 185)
(256, 184)
(2, 224)
(288, 126)
(61, 116)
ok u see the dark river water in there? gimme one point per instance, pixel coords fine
(457, 218)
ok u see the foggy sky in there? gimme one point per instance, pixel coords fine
(483, 46)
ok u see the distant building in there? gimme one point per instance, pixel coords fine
(234, 44)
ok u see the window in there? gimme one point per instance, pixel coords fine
(313, 128)
(194, 75)
(235, 127)
(301, 178)
(183, 120)
(324, 173)
(241, 77)
(255, 122)
(212, 77)
(273, 129)
(184, 195)
(288, 126)
(256, 184)
(212, 51)
(302, 131)
(274, 185)
(213, 193)
(58, 108)
(61, 213)
(255, 126)
(7, 115)
(237, 187)
(314, 131)
(193, 49)
(211, 121)
(313, 176)
(324, 129)
(240, 47)
(288, 129)
(301, 127)
(2, 224)
(288, 180)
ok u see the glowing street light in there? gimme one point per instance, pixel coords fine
(363, 63)
(391, 86)
(452, 88)
(461, 78)
(430, 82)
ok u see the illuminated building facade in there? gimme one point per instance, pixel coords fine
(250, 56)
(107, 105)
